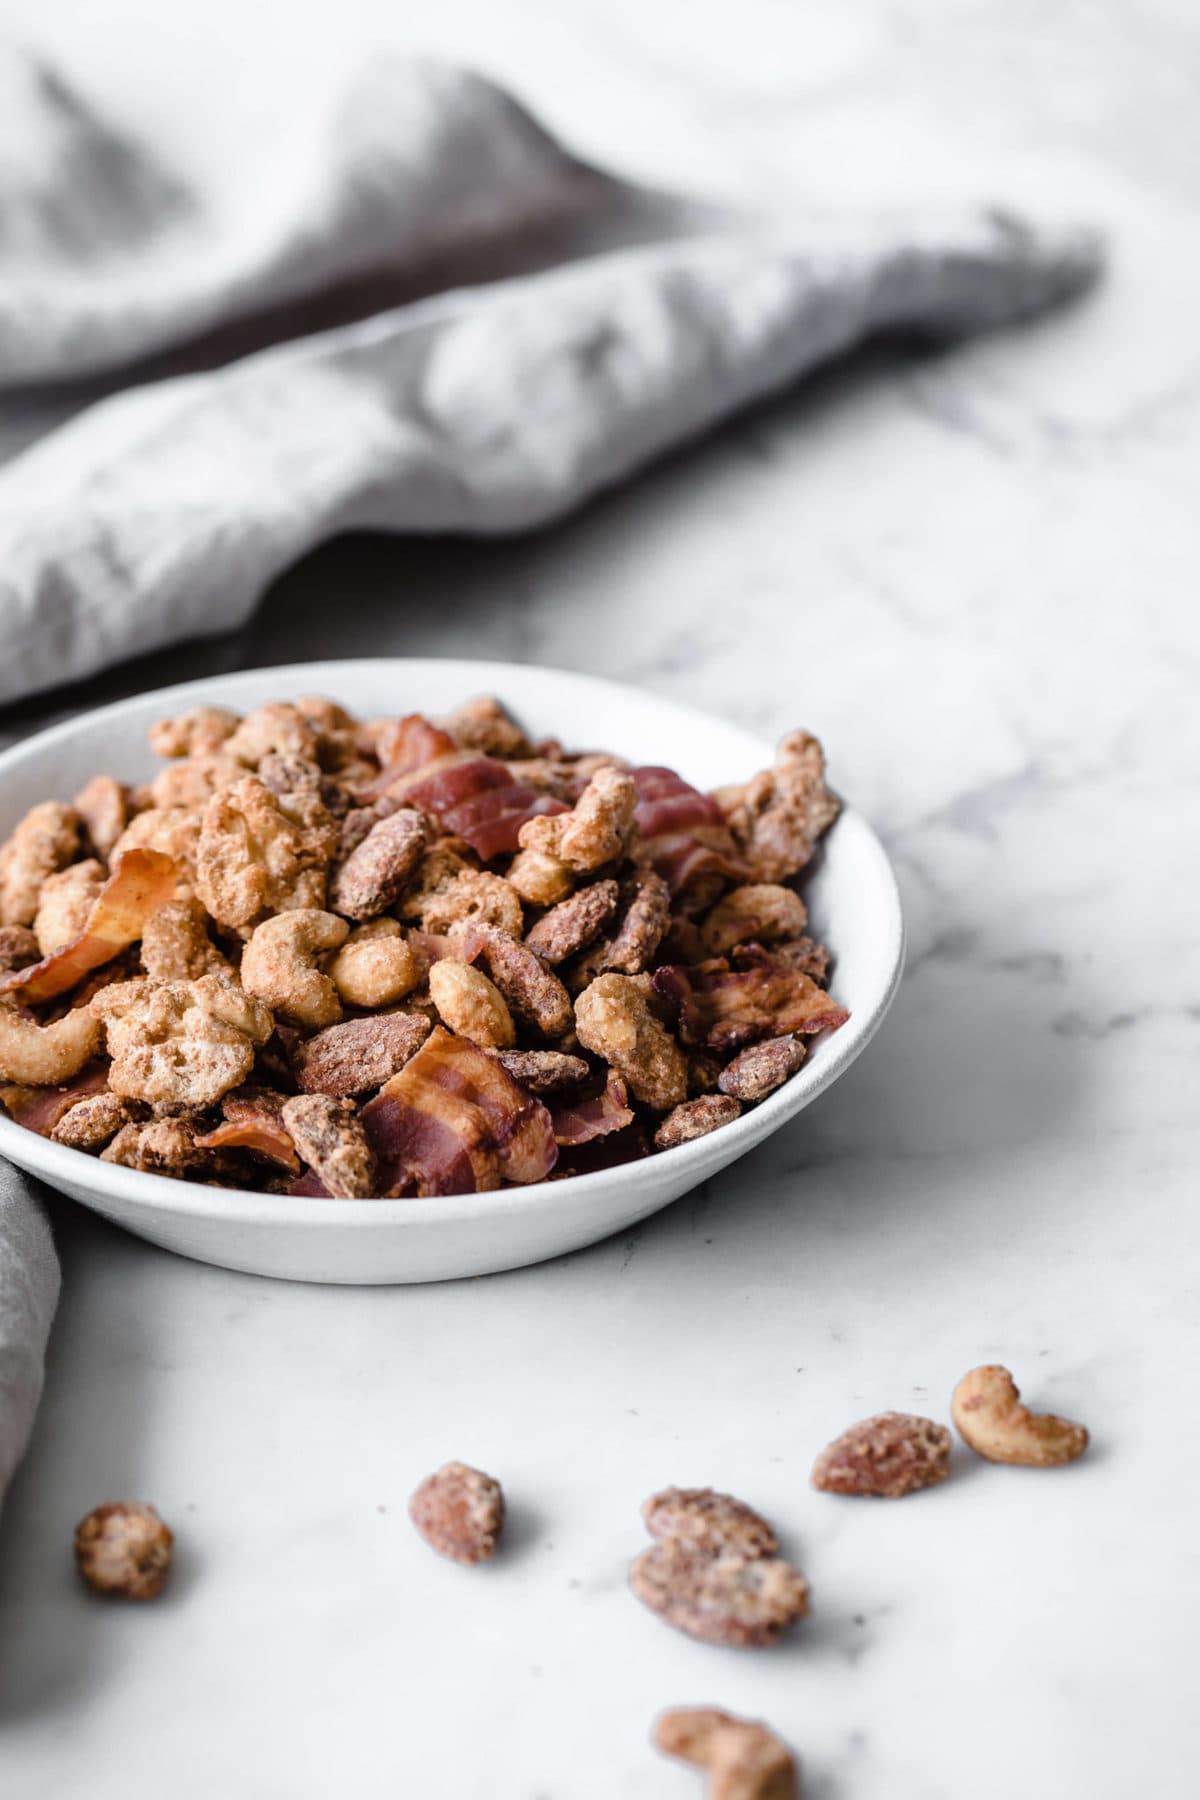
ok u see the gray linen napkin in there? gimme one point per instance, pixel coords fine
(508, 331)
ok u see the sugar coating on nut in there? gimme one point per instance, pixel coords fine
(18, 948)
(573, 924)
(103, 809)
(597, 831)
(762, 912)
(184, 1042)
(196, 732)
(329, 1137)
(44, 841)
(475, 897)
(159, 1147)
(885, 1457)
(759, 1070)
(278, 727)
(260, 852)
(92, 1122)
(535, 996)
(539, 878)
(724, 1598)
(281, 965)
(459, 1511)
(647, 901)
(614, 1020)
(173, 830)
(123, 1547)
(378, 870)
(986, 1407)
(376, 965)
(777, 816)
(358, 1056)
(471, 1005)
(176, 945)
(696, 1119)
(484, 725)
(45, 1055)
(745, 1760)
(707, 1520)
(543, 1071)
(65, 900)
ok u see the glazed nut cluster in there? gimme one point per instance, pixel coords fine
(404, 957)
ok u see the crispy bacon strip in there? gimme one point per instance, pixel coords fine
(724, 1009)
(252, 1122)
(682, 831)
(599, 1115)
(412, 742)
(476, 798)
(453, 1121)
(141, 882)
(40, 1109)
(465, 945)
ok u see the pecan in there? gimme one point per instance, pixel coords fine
(197, 732)
(536, 997)
(92, 1122)
(328, 1135)
(745, 1760)
(986, 1407)
(377, 871)
(176, 945)
(180, 1042)
(695, 1119)
(805, 954)
(723, 1598)
(888, 1456)
(260, 851)
(763, 912)
(163, 1147)
(574, 923)
(359, 1056)
(286, 773)
(278, 727)
(472, 897)
(103, 807)
(123, 1547)
(614, 1020)
(543, 1071)
(706, 1520)
(459, 1512)
(483, 724)
(647, 900)
(470, 1004)
(777, 816)
(599, 828)
(762, 1068)
(45, 840)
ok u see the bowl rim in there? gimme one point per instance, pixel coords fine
(60, 1165)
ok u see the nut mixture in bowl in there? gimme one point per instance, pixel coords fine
(404, 957)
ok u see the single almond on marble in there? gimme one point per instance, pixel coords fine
(459, 1512)
(887, 1456)
(713, 1572)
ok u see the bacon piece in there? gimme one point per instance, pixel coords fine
(141, 882)
(455, 1122)
(464, 946)
(630, 1145)
(40, 1109)
(478, 799)
(310, 1187)
(724, 1009)
(410, 743)
(598, 1115)
(252, 1122)
(683, 832)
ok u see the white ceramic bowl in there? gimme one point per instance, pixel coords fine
(852, 899)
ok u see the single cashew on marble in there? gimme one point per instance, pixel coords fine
(45, 1055)
(279, 965)
(986, 1407)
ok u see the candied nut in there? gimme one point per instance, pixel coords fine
(704, 1072)
(804, 953)
(706, 1520)
(261, 852)
(279, 965)
(357, 821)
(197, 732)
(163, 1147)
(762, 1068)
(986, 1407)
(92, 1121)
(574, 923)
(474, 897)
(536, 998)
(647, 914)
(763, 912)
(778, 815)
(459, 1512)
(193, 782)
(44, 841)
(123, 1547)
(173, 830)
(437, 871)
(64, 904)
(18, 948)
(722, 1597)
(179, 1042)
(540, 878)
(599, 828)
(483, 724)
(543, 1071)
(359, 1056)
(328, 1135)
(286, 773)
(276, 727)
(694, 1119)
(45, 1055)
(375, 966)
(744, 1758)
(470, 1004)
(176, 945)
(375, 874)
(888, 1456)
(104, 809)
(614, 1020)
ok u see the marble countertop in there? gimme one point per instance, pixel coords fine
(974, 576)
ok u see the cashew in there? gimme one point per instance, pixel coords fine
(986, 1407)
(45, 1055)
(279, 965)
(471, 1005)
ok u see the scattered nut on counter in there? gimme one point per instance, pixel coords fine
(123, 1547)
(986, 1407)
(744, 1759)
(459, 1512)
(886, 1457)
(713, 1572)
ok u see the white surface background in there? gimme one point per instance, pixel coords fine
(975, 576)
